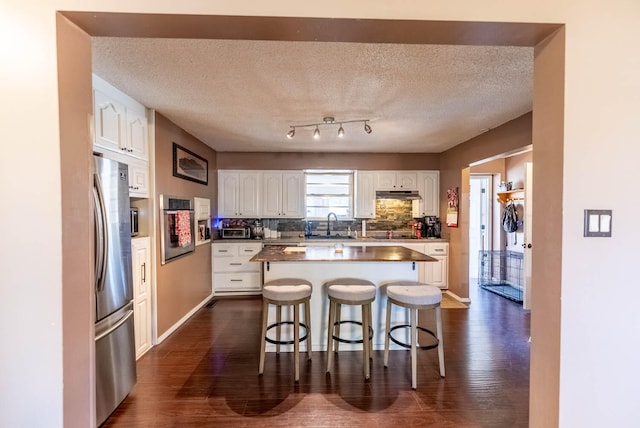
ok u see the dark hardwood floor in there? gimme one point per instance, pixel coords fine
(205, 374)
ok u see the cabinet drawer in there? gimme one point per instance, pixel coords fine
(243, 281)
(437, 249)
(225, 250)
(235, 264)
(249, 250)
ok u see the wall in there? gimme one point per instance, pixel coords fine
(76, 105)
(511, 136)
(318, 160)
(588, 104)
(183, 283)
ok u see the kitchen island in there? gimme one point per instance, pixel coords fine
(318, 264)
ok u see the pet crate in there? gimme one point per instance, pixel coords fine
(501, 272)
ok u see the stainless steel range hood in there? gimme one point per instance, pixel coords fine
(398, 194)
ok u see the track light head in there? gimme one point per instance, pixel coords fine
(328, 121)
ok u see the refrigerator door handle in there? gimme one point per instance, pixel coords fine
(101, 234)
(114, 327)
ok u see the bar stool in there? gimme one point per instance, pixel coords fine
(286, 292)
(414, 296)
(350, 291)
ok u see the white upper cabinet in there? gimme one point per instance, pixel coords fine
(283, 194)
(238, 194)
(138, 179)
(365, 195)
(120, 122)
(396, 180)
(429, 188)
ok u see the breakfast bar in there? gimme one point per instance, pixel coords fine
(319, 264)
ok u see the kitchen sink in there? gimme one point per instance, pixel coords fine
(329, 237)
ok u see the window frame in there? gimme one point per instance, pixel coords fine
(351, 194)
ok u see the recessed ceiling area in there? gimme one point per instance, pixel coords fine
(243, 95)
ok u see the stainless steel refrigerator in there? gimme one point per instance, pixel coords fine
(114, 333)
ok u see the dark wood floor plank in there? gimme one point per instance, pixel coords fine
(205, 374)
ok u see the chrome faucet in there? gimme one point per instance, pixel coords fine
(329, 222)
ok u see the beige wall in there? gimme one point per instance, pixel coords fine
(585, 126)
(183, 283)
(76, 105)
(365, 161)
(511, 136)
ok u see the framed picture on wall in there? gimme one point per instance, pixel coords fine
(189, 166)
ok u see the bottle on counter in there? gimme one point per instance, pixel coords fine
(389, 234)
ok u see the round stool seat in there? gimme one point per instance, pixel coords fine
(351, 289)
(286, 293)
(414, 293)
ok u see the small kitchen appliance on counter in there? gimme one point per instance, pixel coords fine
(432, 227)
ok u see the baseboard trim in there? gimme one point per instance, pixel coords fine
(185, 318)
(465, 300)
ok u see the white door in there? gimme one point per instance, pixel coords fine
(528, 216)
(228, 194)
(479, 222)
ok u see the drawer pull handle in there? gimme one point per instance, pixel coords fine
(236, 280)
(235, 264)
(223, 251)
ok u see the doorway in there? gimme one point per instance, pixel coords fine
(480, 215)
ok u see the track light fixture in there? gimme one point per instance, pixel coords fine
(328, 121)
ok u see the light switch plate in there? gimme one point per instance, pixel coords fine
(597, 223)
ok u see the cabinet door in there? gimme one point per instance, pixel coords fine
(385, 180)
(138, 180)
(228, 194)
(141, 259)
(249, 189)
(202, 208)
(437, 273)
(407, 180)
(292, 195)
(365, 195)
(109, 118)
(136, 135)
(271, 194)
(429, 188)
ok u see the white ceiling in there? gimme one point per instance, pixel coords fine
(242, 95)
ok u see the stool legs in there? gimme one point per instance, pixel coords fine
(387, 327)
(330, 327)
(366, 345)
(414, 341)
(296, 341)
(263, 337)
(414, 353)
(440, 341)
(296, 331)
(307, 321)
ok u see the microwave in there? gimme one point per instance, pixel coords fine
(235, 233)
(135, 215)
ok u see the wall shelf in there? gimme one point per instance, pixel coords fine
(510, 195)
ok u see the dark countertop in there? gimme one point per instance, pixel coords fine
(369, 253)
(304, 241)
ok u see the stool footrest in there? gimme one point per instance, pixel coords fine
(286, 342)
(341, 340)
(404, 345)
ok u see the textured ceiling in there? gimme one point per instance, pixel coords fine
(241, 95)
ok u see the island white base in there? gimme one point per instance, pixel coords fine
(318, 273)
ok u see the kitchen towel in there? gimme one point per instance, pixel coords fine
(183, 227)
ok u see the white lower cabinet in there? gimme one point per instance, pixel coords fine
(233, 273)
(141, 263)
(437, 273)
(433, 273)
